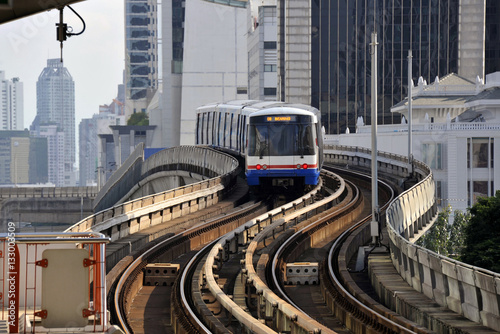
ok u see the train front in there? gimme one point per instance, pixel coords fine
(282, 149)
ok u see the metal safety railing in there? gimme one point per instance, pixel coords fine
(53, 281)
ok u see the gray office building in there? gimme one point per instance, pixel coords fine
(55, 97)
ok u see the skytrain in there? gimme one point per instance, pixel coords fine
(281, 143)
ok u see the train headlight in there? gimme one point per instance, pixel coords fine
(298, 166)
(258, 167)
(264, 167)
(305, 166)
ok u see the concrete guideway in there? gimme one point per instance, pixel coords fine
(218, 174)
(470, 292)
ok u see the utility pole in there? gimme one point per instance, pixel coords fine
(374, 226)
(410, 84)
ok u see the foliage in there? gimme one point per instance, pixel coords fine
(436, 238)
(138, 118)
(444, 238)
(457, 234)
(482, 234)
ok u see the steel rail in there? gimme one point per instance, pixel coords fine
(245, 319)
(282, 249)
(142, 259)
(382, 320)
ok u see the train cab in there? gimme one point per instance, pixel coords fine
(282, 148)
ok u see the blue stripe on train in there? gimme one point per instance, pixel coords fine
(311, 175)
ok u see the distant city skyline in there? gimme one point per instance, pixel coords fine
(95, 58)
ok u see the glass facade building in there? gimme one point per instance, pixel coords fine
(492, 45)
(178, 14)
(141, 47)
(341, 59)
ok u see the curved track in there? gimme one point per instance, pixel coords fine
(172, 251)
(234, 272)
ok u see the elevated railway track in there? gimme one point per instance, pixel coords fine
(231, 297)
(217, 293)
(237, 281)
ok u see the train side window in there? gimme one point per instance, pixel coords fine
(238, 135)
(214, 115)
(219, 128)
(234, 131)
(207, 121)
(226, 126)
(231, 131)
(208, 128)
(198, 126)
(202, 139)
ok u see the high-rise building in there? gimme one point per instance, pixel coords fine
(87, 131)
(56, 119)
(198, 65)
(324, 54)
(55, 152)
(91, 132)
(141, 54)
(23, 159)
(492, 39)
(214, 63)
(262, 57)
(11, 103)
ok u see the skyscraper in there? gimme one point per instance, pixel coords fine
(215, 60)
(11, 103)
(204, 59)
(262, 78)
(141, 53)
(492, 44)
(324, 46)
(56, 111)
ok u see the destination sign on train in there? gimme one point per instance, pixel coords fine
(280, 118)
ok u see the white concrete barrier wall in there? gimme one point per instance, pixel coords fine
(470, 291)
(172, 201)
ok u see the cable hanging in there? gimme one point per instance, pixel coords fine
(64, 31)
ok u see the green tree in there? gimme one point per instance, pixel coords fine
(457, 233)
(482, 234)
(437, 237)
(138, 118)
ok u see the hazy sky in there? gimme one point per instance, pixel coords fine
(95, 59)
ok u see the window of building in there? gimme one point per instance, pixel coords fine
(269, 68)
(480, 152)
(439, 193)
(432, 155)
(241, 90)
(476, 189)
(270, 91)
(269, 45)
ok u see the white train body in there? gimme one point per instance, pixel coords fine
(281, 142)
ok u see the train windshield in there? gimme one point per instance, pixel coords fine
(287, 138)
